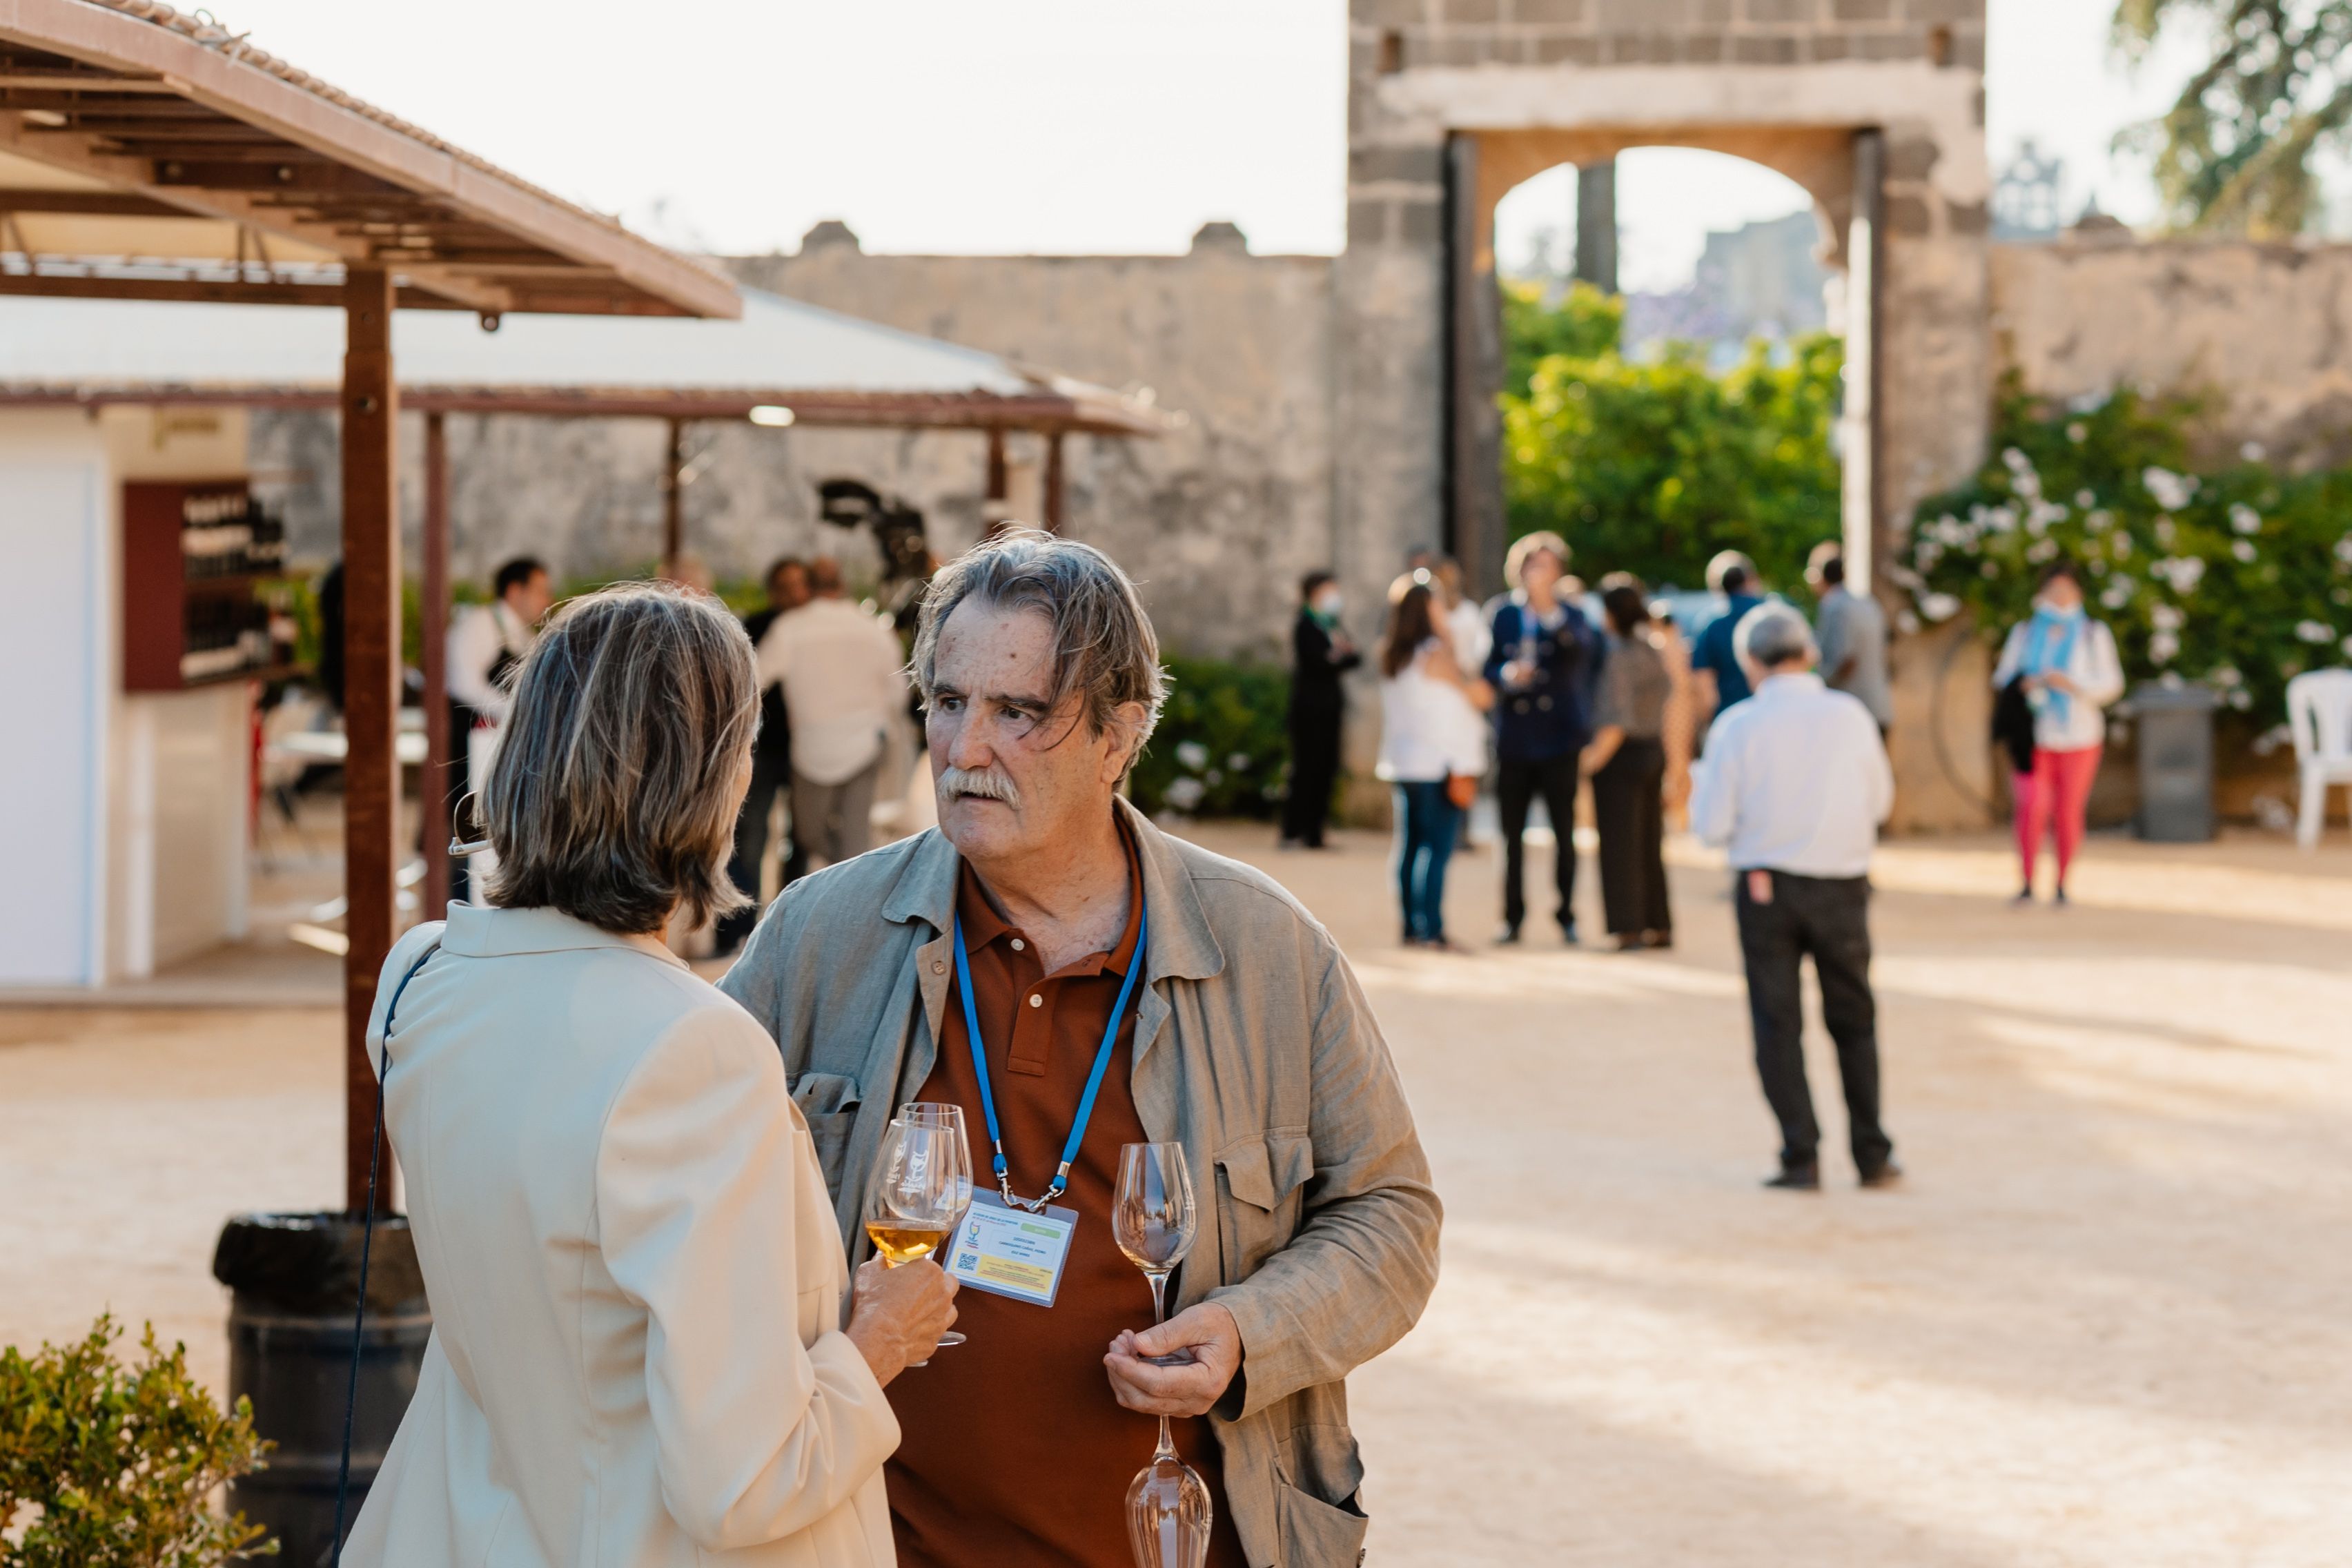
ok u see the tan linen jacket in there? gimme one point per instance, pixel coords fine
(1254, 1048)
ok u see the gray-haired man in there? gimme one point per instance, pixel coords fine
(1794, 784)
(1077, 980)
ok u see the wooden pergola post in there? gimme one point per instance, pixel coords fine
(674, 500)
(1056, 484)
(371, 414)
(433, 797)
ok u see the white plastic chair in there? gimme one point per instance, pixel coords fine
(2319, 708)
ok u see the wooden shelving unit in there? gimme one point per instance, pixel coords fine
(194, 557)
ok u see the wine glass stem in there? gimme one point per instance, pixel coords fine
(1167, 1449)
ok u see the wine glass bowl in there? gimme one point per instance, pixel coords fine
(921, 1189)
(1155, 1219)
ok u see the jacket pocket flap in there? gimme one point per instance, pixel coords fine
(824, 1093)
(1262, 1172)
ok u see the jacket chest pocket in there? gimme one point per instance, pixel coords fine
(829, 1103)
(1260, 1193)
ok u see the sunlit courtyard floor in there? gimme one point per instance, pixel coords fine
(2107, 1321)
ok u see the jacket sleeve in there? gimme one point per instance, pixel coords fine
(1500, 644)
(1358, 1273)
(756, 1436)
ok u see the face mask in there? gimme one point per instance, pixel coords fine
(1328, 605)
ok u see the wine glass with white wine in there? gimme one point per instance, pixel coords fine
(1154, 1218)
(940, 1113)
(914, 1202)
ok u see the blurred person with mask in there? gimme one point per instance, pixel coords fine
(845, 684)
(1851, 631)
(1321, 655)
(1544, 658)
(486, 644)
(771, 768)
(2062, 665)
(1720, 683)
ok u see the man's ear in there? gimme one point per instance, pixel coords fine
(1126, 732)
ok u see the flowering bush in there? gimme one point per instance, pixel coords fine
(2239, 576)
(1222, 748)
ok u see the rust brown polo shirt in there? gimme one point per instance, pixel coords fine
(1015, 1452)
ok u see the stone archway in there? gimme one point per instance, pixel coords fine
(1876, 107)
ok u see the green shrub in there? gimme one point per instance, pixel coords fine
(1651, 467)
(2239, 575)
(109, 1465)
(1222, 748)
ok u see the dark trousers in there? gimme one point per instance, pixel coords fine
(1630, 811)
(1314, 768)
(1830, 919)
(1426, 819)
(772, 775)
(1516, 787)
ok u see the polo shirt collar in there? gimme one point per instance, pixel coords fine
(482, 930)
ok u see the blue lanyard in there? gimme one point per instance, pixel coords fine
(1094, 1080)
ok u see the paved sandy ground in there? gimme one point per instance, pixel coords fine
(2108, 1322)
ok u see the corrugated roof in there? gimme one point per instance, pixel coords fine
(780, 350)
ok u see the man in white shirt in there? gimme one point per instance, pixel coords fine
(484, 645)
(1794, 784)
(844, 680)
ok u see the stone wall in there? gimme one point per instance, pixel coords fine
(1218, 518)
(2263, 330)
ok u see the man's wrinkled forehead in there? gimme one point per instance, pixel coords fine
(998, 655)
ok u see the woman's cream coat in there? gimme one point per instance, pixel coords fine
(636, 1273)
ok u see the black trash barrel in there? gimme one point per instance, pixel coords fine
(2176, 762)
(295, 1278)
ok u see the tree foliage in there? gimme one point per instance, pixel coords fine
(1222, 747)
(1582, 324)
(109, 1465)
(1651, 467)
(2233, 153)
(2239, 576)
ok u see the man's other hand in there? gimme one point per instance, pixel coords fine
(1207, 1333)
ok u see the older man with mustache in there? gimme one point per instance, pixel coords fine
(987, 962)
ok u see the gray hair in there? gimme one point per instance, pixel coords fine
(1770, 636)
(615, 789)
(1104, 651)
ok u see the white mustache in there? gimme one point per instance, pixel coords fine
(987, 784)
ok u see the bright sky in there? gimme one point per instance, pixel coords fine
(1107, 126)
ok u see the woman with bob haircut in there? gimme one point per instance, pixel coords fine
(637, 1284)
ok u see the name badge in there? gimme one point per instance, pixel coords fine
(1012, 1252)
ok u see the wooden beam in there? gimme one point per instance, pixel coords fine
(205, 291)
(1057, 484)
(86, 154)
(85, 204)
(371, 410)
(674, 498)
(433, 798)
(84, 81)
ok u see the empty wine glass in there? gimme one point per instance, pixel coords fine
(938, 1113)
(1153, 1217)
(918, 1191)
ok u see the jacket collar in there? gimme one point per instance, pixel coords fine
(479, 931)
(1183, 946)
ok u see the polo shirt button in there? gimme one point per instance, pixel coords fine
(1035, 1000)
(1016, 944)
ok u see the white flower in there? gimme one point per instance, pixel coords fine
(1938, 606)
(2163, 648)
(1238, 763)
(2315, 632)
(2078, 432)
(2121, 544)
(2017, 462)
(2271, 739)
(2167, 617)
(2183, 571)
(2348, 648)
(2226, 677)
(2117, 593)
(2344, 549)
(2243, 549)
(2087, 500)
(2245, 519)
(2172, 491)
(1185, 794)
(2041, 550)
(1193, 754)
(2242, 700)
